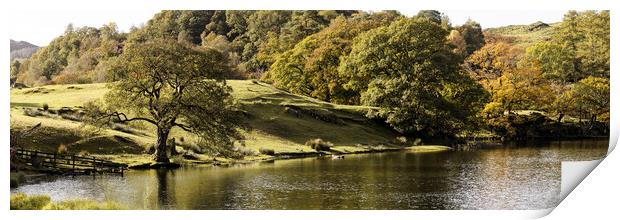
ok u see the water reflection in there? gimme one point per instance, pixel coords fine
(163, 195)
(517, 176)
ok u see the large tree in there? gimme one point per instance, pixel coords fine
(472, 33)
(492, 61)
(432, 15)
(409, 71)
(166, 84)
(518, 89)
(578, 49)
(592, 94)
(311, 67)
(556, 61)
(15, 65)
(589, 97)
(460, 46)
(261, 26)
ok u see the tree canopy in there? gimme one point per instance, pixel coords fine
(472, 33)
(74, 57)
(579, 48)
(592, 94)
(311, 67)
(551, 75)
(409, 71)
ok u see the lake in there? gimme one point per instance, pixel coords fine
(514, 176)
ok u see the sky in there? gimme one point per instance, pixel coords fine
(40, 27)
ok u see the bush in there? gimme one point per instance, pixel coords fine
(319, 145)
(243, 151)
(46, 106)
(83, 204)
(16, 179)
(150, 149)
(62, 149)
(68, 77)
(14, 183)
(267, 151)
(21, 201)
(194, 147)
(417, 141)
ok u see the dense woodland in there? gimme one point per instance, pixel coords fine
(426, 76)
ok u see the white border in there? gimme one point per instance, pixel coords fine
(7, 16)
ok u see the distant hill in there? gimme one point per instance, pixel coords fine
(22, 49)
(525, 35)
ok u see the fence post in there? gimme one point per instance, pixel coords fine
(73, 168)
(94, 168)
(34, 159)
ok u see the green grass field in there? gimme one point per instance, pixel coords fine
(279, 120)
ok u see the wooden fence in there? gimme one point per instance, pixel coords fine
(68, 164)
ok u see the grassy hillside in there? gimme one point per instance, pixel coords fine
(279, 120)
(525, 35)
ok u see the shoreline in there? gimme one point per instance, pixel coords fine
(34, 176)
(481, 143)
(277, 156)
(133, 160)
(230, 162)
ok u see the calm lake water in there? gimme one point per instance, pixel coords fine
(516, 176)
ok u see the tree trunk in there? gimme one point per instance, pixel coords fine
(560, 118)
(161, 156)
